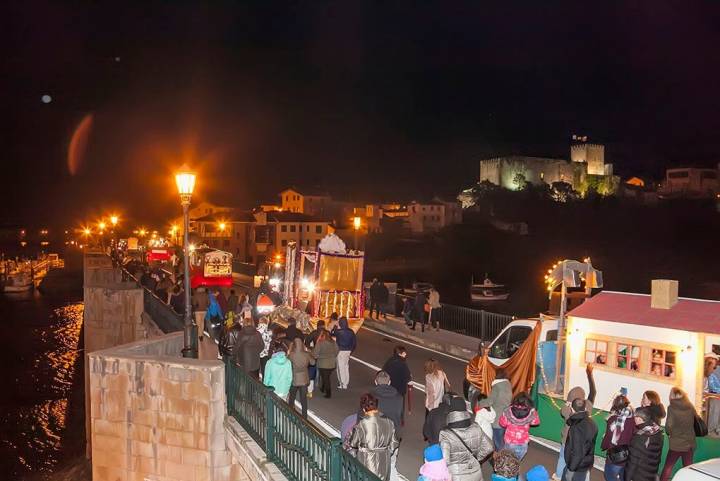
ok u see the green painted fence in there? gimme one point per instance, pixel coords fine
(299, 449)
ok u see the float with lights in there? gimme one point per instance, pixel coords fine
(326, 280)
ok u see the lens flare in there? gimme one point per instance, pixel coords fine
(78, 144)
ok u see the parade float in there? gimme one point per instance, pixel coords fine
(635, 343)
(323, 281)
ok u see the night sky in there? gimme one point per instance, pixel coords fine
(369, 99)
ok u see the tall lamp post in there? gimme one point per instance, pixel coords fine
(185, 180)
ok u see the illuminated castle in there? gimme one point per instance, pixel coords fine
(586, 166)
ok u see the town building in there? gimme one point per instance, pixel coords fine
(255, 237)
(196, 211)
(690, 182)
(433, 215)
(305, 201)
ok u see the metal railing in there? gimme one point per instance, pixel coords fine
(162, 314)
(473, 322)
(464, 320)
(299, 449)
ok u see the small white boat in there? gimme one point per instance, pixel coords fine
(488, 291)
(18, 281)
(417, 287)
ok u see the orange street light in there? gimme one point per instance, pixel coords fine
(222, 226)
(357, 223)
(114, 220)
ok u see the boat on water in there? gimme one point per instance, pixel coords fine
(488, 291)
(417, 287)
(18, 281)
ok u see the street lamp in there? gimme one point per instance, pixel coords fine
(185, 181)
(356, 226)
(222, 226)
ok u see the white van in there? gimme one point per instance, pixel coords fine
(516, 332)
(512, 337)
(703, 471)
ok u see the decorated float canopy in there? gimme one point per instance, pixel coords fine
(325, 280)
(642, 342)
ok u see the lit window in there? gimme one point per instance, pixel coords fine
(628, 357)
(662, 363)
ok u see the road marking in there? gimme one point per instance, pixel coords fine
(405, 341)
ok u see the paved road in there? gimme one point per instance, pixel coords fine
(373, 350)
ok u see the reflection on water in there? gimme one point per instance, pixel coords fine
(41, 420)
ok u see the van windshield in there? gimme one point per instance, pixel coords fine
(509, 341)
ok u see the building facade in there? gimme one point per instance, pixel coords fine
(305, 201)
(691, 182)
(431, 216)
(512, 171)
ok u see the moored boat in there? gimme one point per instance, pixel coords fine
(488, 291)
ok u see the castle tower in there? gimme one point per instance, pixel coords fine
(591, 154)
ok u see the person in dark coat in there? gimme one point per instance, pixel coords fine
(222, 301)
(383, 295)
(292, 331)
(390, 401)
(346, 342)
(374, 293)
(680, 428)
(645, 447)
(619, 432)
(248, 348)
(228, 341)
(311, 338)
(399, 372)
(436, 420)
(232, 302)
(418, 312)
(580, 444)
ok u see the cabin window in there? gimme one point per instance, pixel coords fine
(596, 351)
(662, 363)
(628, 357)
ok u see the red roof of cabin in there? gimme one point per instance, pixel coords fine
(698, 315)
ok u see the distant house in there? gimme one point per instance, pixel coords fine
(690, 182)
(433, 215)
(201, 209)
(305, 201)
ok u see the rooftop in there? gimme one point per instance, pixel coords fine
(283, 216)
(311, 191)
(234, 215)
(697, 315)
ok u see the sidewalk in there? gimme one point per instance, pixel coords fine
(458, 345)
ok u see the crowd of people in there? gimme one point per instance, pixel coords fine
(424, 308)
(460, 436)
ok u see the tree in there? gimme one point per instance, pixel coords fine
(519, 180)
(563, 192)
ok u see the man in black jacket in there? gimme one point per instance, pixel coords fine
(646, 447)
(390, 402)
(399, 372)
(229, 340)
(580, 443)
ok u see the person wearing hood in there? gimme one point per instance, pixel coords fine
(618, 433)
(499, 399)
(680, 428)
(390, 402)
(645, 448)
(373, 439)
(248, 348)
(506, 466)
(464, 445)
(301, 360)
(566, 411)
(278, 370)
(435, 467)
(292, 331)
(346, 342)
(579, 448)
(266, 335)
(517, 420)
(419, 313)
(229, 340)
(325, 352)
(436, 420)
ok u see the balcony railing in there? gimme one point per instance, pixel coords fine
(299, 449)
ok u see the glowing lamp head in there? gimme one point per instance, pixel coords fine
(357, 223)
(86, 231)
(222, 226)
(102, 225)
(191, 247)
(114, 220)
(277, 265)
(185, 181)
